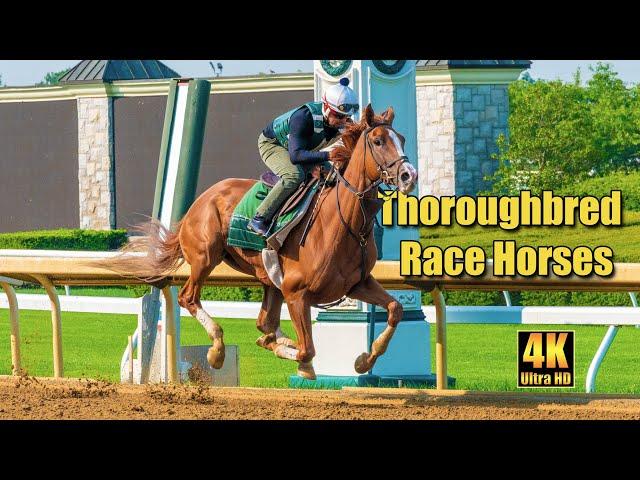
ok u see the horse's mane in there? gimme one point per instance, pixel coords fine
(350, 137)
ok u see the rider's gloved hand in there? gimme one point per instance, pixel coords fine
(335, 156)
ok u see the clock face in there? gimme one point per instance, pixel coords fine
(390, 67)
(335, 68)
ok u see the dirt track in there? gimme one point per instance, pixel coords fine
(30, 398)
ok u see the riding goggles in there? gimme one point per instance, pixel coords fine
(348, 108)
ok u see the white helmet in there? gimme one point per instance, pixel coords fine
(340, 98)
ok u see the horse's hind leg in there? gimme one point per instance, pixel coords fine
(202, 263)
(268, 321)
(300, 311)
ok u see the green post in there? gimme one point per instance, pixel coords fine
(176, 183)
(190, 151)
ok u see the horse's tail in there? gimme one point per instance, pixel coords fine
(163, 254)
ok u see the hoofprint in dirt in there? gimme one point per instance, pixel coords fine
(39, 398)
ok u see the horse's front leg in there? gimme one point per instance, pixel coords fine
(371, 291)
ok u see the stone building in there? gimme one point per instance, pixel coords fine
(463, 106)
(96, 167)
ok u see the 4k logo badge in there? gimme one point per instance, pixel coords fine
(546, 359)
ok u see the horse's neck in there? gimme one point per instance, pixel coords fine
(350, 204)
(355, 172)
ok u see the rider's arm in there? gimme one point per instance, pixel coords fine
(334, 143)
(300, 132)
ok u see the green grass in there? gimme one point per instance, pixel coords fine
(481, 357)
(624, 240)
(93, 344)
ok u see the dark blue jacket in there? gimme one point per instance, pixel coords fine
(300, 134)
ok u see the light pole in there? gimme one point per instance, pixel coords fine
(213, 67)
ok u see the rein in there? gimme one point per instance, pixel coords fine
(367, 224)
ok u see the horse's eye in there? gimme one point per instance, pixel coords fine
(377, 142)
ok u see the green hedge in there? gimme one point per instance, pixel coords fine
(534, 298)
(221, 294)
(232, 294)
(68, 239)
(65, 239)
(627, 182)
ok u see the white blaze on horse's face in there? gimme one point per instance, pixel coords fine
(407, 174)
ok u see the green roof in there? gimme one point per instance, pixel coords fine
(110, 70)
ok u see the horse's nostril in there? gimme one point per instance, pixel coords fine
(405, 177)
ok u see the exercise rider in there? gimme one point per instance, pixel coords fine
(291, 145)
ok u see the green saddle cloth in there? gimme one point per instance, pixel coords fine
(240, 235)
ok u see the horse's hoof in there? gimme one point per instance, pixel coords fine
(362, 365)
(266, 340)
(215, 355)
(305, 370)
(287, 353)
(286, 341)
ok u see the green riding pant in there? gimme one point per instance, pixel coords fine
(291, 176)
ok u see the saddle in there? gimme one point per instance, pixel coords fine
(315, 176)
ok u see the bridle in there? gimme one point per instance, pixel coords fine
(384, 176)
(367, 223)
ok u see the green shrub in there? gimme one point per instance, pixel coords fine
(220, 294)
(70, 239)
(64, 239)
(232, 294)
(627, 182)
(139, 290)
(467, 298)
(542, 298)
(596, 299)
(474, 298)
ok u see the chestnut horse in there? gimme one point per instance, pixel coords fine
(335, 260)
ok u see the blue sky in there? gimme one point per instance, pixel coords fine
(29, 72)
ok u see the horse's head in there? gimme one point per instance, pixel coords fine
(384, 152)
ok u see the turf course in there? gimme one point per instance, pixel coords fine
(481, 357)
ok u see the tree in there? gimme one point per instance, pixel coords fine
(526, 77)
(615, 113)
(52, 78)
(1, 84)
(560, 133)
(577, 77)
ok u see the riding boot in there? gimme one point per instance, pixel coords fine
(259, 225)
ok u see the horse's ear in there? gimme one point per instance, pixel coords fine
(388, 116)
(368, 115)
